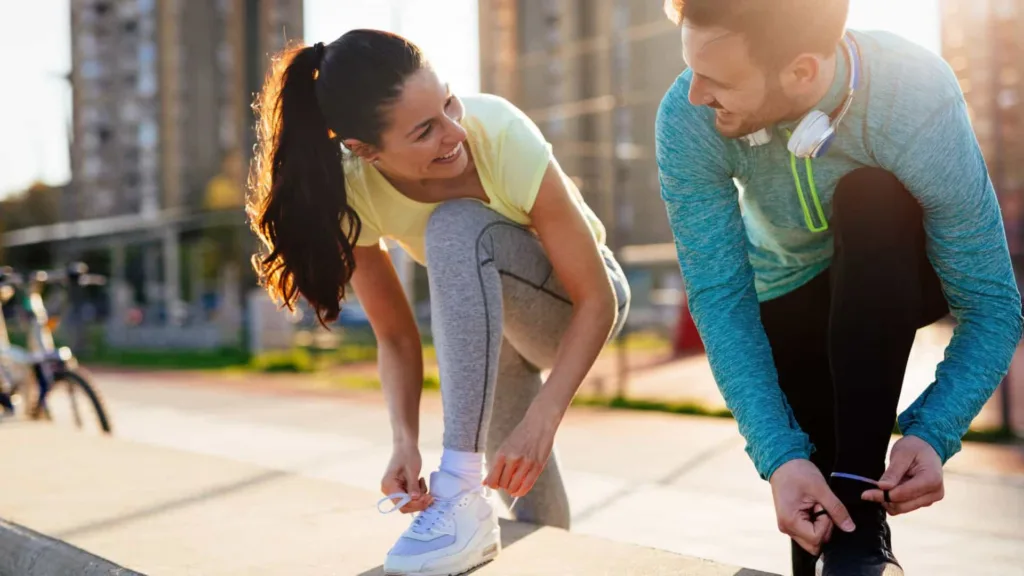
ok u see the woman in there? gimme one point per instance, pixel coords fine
(520, 279)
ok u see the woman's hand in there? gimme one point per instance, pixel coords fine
(403, 476)
(523, 455)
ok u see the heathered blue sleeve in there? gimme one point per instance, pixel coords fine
(703, 210)
(938, 159)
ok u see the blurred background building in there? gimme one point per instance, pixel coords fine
(162, 96)
(983, 41)
(160, 131)
(591, 73)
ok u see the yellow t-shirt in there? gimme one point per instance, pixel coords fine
(511, 156)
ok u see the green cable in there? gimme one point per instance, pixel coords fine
(814, 194)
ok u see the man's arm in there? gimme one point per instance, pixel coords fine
(942, 166)
(703, 210)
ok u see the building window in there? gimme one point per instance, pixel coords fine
(147, 83)
(92, 168)
(92, 69)
(130, 111)
(147, 54)
(148, 134)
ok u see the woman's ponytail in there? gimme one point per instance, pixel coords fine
(298, 205)
(314, 98)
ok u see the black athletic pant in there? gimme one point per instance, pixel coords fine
(841, 342)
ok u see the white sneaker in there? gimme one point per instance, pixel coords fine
(457, 533)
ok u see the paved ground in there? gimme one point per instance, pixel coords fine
(675, 483)
(690, 379)
(160, 511)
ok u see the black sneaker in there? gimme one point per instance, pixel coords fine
(867, 551)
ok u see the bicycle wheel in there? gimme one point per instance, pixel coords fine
(71, 400)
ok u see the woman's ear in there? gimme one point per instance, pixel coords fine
(361, 149)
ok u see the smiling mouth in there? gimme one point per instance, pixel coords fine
(451, 155)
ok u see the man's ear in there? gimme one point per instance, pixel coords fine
(801, 74)
(361, 149)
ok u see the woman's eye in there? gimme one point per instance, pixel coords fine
(425, 133)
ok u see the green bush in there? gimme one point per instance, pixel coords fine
(431, 382)
(293, 361)
(355, 353)
(169, 359)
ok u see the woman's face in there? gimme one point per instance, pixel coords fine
(424, 138)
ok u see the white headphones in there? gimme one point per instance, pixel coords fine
(814, 134)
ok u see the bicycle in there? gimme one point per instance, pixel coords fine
(54, 369)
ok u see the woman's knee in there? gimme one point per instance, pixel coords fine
(459, 219)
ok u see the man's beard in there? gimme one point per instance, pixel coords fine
(730, 127)
(775, 109)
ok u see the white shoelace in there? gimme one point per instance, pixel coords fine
(427, 519)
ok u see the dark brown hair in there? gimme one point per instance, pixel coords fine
(776, 30)
(313, 98)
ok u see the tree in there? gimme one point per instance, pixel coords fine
(39, 205)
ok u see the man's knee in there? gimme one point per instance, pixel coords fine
(873, 201)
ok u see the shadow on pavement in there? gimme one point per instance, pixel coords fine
(684, 468)
(170, 505)
(511, 532)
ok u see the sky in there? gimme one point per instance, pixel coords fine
(35, 43)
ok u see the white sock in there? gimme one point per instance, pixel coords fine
(467, 466)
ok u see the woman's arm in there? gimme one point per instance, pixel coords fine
(400, 363)
(399, 352)
(573, 251)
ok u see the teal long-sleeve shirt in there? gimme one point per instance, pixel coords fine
(744, 236)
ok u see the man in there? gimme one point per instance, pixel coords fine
(810, 261)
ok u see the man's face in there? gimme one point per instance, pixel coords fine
(745, 97)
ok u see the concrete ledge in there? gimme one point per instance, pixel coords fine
(28, 553)
(164, 511)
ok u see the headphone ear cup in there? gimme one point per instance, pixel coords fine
(809, 134)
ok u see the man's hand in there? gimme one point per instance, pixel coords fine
(805, 506)
(913, 479)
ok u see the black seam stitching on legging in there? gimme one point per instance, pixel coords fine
(487, 318)
(535, 286)
(487, 328)
(548, 277)
(487, 346)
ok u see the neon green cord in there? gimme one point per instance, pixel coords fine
(814, 194)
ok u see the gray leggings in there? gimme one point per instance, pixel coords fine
(498, 314)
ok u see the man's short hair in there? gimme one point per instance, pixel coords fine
(776, 30)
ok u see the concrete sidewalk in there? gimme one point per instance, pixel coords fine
(157, 510)
(689, 380)
(676, 483)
